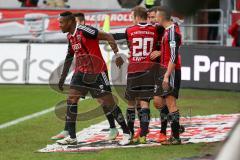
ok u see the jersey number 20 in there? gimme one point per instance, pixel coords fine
(143, 47)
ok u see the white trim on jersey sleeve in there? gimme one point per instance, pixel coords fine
(172, 44)
(87, 29)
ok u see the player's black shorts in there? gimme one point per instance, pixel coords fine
(174, 82)
(140, 86)
(97, 84)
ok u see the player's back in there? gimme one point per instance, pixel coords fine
(142, 40)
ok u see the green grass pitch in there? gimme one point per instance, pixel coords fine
(24, 139)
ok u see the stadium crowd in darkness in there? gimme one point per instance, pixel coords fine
(234, 31)
(46, 3)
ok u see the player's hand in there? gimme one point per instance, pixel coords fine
(165, 83)
(119, 61)
(155, 54)
(60, 84)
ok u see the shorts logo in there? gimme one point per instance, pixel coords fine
(101, 87)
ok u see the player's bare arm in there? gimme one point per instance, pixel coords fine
(66, 67)
(170, 69)
(174, 45)
(110, 39)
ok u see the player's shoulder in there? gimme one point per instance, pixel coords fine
(86, 28)
(177, 27)
(130, 28)
(152, 27)
(140, 26)
(174, 28)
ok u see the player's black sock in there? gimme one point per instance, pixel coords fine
(109, 117)
(117, 114)
(66, 125)
(71, 119)
(139, 112)
(130, 119)
(164, 119)
(175, 126)
(144, 121)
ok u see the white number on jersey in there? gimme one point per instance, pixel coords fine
(143, 48)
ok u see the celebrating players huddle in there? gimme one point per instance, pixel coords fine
(154, 72)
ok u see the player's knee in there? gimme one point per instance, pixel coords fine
(158, 105)
(72, 99)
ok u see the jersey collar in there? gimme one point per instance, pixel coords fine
(75, 30)
(144, 24)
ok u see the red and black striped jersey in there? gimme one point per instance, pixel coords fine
(170, 46)
(84, 45)
(142, 40)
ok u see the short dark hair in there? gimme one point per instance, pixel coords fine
(140, 12)
(153, 9)
(67, 14)
(166, 10)
(80, 15)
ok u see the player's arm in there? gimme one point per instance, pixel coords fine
(93, 33)
(119, 36)
(110, 39)
(66, 67)
(174, 44)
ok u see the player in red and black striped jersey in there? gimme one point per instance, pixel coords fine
(159, 102)
(142, 39)
(90, 74)
(170, 78)
(113, 132)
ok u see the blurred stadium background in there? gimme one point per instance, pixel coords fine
(32, 47)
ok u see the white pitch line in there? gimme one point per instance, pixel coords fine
(31, 116)
(19, 120)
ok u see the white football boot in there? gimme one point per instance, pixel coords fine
(126, 139)
(67, 141)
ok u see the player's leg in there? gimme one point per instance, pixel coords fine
(174, 115)
(130, 96)
(160, 104)
(102, 91)
(112, 108)
(130, 115)
(138, 108)
(113, 130)
(77, 90)
(145, 94)
(145, 120)
(71, 117)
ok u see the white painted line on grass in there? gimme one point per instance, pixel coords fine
(31, 116)
(19, 120)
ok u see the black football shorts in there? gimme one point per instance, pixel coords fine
(97, 84)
